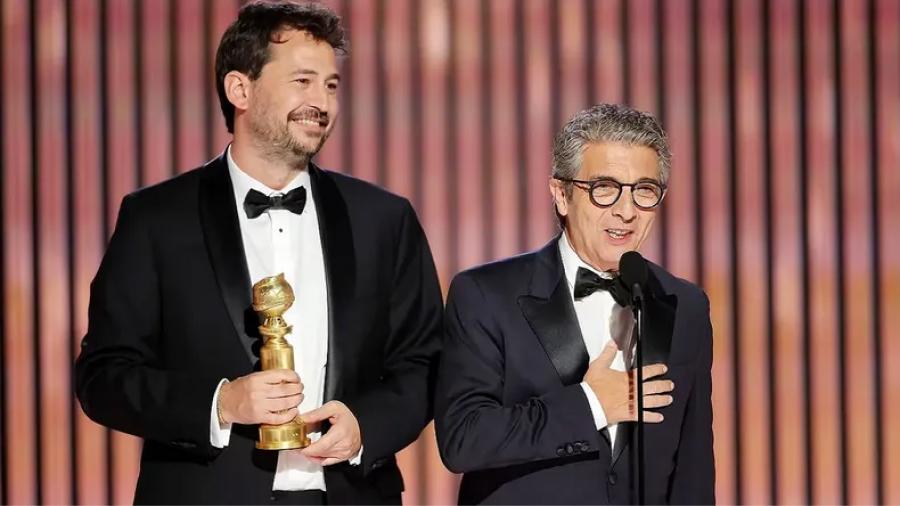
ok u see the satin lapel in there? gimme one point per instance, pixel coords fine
(222, 232)
(551, 315)
(659, 322)
(623, 436)
(340, 268)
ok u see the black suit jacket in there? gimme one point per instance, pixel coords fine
(170, 316)
(510, 412)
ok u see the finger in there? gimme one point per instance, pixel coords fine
(283, 403)
(324, 412)
(322, 448)
(654, 370)
(657, 401)
(607, 355)
(283, 390)
(331, 461)
(276, 376)
(652, 417)
(658, 387)
(280, 417)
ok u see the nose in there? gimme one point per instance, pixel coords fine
(318, 97)
(624, 208)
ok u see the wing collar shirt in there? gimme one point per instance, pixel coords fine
(600, 320)
(280, 241)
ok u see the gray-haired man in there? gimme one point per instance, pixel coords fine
(534, 403)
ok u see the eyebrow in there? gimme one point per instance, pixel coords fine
(310, 72)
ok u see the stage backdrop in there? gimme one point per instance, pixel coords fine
(784, 118)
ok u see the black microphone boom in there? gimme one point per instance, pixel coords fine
(634, 273)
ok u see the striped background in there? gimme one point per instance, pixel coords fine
(785, 122)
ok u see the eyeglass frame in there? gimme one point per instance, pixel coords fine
(593, 183)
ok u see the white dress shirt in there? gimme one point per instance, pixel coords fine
(600, 320)
(280, 241)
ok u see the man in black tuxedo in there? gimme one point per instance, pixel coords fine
(172, 341)
(533, 401)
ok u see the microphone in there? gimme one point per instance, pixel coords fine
(634, 272)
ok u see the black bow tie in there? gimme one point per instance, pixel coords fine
(588, 282)
(255, 203)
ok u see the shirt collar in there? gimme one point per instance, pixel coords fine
(243, 182)
(571, 262)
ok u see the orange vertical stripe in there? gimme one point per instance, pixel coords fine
(787, 261)
(717, 268)
(541, 224)
(469, 138)
(608, 38)
(753, 352)
(504, 156)
(857, 246)
(822, 240)
(19, 368)
(888, 103)
(681, 199)
(53, 361)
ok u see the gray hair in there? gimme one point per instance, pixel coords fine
(608, 123)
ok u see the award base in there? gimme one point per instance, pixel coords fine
(283, 437)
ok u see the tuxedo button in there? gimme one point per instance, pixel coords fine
(611, 478)
(569, 449)
(560, 451)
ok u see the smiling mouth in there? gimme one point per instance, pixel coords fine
(310, 117)
(311, 122)
(618, 234)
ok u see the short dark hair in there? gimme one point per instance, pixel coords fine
(245, 44)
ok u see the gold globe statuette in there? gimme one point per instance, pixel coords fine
(272, 296)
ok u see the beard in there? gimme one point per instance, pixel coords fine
(275, 140)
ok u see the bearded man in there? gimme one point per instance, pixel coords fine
(171, 352)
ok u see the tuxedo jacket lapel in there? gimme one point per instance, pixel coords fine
(339, 254)
(659, 325)
(659, 322)
(222, 233)
(549, 311)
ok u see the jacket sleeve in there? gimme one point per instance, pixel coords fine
(694, 477)
(118, 379)
(393, 412)
(476, 430)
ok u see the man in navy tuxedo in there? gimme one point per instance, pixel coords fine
(536, 389)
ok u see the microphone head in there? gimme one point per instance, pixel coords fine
(633, 269)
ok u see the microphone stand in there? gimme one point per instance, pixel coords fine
(638, 308)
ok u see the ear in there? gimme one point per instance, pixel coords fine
(558, 192)
(237, 89)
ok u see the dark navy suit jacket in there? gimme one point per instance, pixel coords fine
(511, 415)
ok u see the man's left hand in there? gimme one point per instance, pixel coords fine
(341, 442)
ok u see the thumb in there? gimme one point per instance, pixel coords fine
(607, 355)
(323, 412)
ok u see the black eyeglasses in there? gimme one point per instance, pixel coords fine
(605, 191)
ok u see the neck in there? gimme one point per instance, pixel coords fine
(598, 266)
(274, 172)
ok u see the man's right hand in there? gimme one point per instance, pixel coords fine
(269, 397)
(617, 390)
